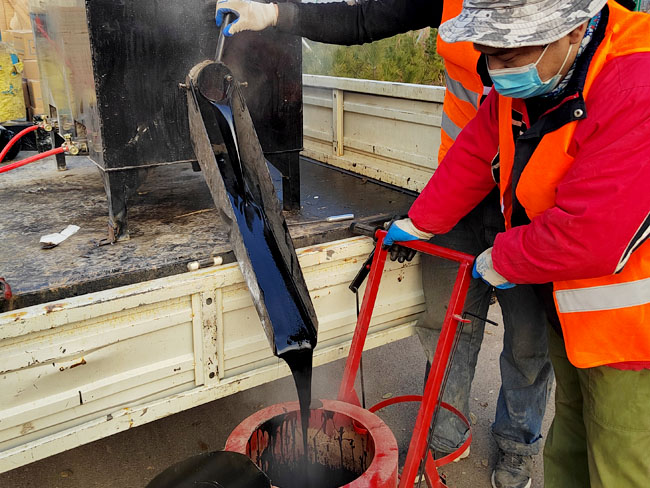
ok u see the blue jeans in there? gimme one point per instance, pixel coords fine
(526, 372)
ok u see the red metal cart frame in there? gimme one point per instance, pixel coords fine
(431, 400)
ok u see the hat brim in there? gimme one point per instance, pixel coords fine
(511, 27)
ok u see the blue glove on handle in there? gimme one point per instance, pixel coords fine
(404, 230)
(484, 269)
(253, 16)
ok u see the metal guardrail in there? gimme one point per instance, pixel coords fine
(384, 130)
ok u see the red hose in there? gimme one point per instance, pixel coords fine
(14, 139)
(31, 159)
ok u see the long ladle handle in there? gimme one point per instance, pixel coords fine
(220, 41)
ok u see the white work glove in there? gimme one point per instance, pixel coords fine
(253, 16)
(484, 269)
(403, 230)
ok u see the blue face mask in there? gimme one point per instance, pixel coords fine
(524, 81)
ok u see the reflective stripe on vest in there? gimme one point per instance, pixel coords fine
(605, 297)
(607, 335)
(604, 320)
(457, 89)
(464, 85)
(451, 129)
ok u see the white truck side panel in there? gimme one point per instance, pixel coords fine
(80, 369)
(384, 130)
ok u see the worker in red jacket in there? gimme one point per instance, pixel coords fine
(526, 373)
(565, 136)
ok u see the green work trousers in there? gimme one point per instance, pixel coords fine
(600, 436)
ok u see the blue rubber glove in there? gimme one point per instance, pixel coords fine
(404, 230)
(484, 269)
(253, 16)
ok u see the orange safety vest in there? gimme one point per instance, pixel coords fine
(604, 320)
(464, 85)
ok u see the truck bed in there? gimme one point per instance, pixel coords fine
(172, 221)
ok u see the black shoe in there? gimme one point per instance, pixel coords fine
(440, 454)
(512, 471)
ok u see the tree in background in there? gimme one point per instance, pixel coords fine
(406, 58)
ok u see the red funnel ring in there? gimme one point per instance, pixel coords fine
(382, 471)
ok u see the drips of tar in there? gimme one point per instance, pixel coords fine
(336, 457)
(294, 333)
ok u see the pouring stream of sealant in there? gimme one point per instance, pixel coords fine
(294, 333)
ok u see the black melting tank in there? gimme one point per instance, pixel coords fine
(112, 74)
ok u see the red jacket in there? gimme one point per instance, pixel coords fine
(600, 207)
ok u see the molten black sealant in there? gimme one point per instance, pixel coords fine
(292, 327)
(300, 363)
(294, 333)
(311, 475)
(331, 462)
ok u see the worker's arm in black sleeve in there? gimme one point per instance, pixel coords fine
(357, 22)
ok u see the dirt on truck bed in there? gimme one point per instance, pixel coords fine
(172, 221)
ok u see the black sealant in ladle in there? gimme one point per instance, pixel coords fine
(294, 330)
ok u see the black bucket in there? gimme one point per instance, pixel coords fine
(218, 469)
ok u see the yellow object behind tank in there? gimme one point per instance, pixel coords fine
(12, 103)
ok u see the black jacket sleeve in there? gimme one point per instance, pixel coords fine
(357, 22)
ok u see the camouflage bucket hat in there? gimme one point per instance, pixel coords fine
(517, 23)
